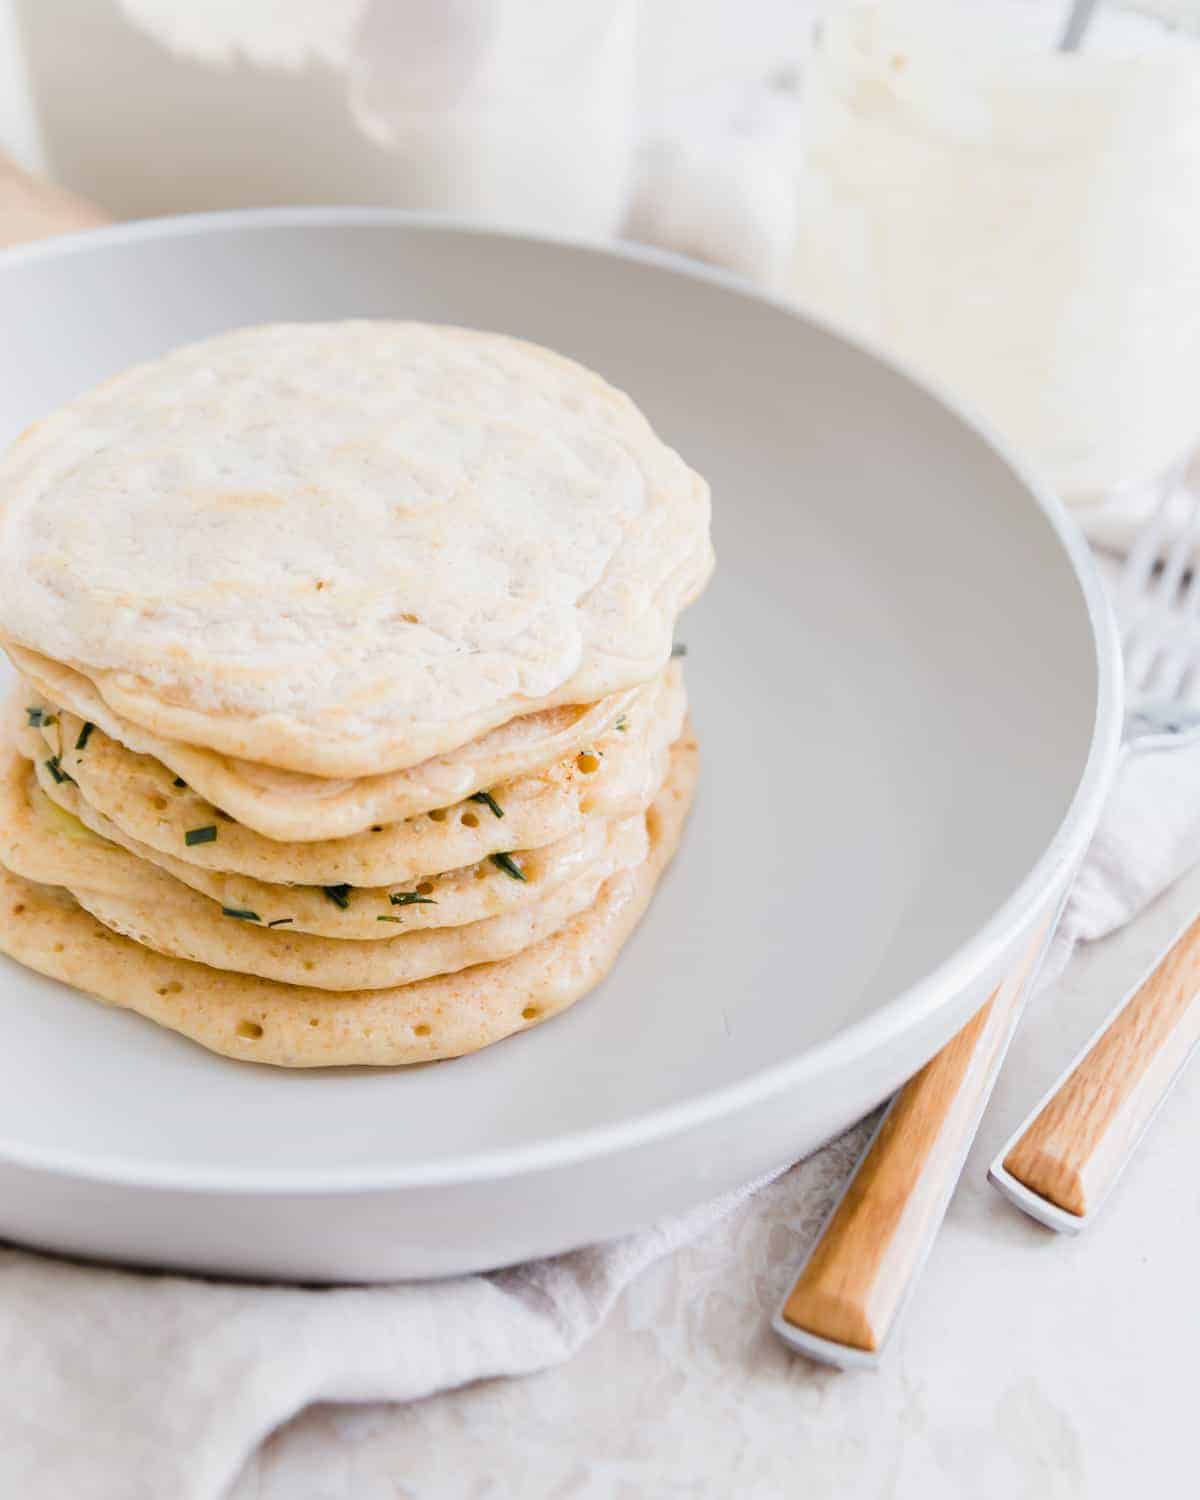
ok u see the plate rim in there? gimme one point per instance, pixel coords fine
(905, 1010)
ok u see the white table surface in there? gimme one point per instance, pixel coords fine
(1027, 1365)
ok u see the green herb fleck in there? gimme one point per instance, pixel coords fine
(56, 770)
(281, 921)
(240, 914)
(201, 835)
(509, 865)
(410, 898)
(622, 723)
(679, 648)
(37, 717)
(338, 894)
(386, 918)
(488, 801)
(85, 734)
(179, 781)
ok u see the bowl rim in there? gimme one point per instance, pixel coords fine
(908, 1008)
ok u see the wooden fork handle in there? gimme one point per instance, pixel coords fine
(1072, 1149)
(850, 1289)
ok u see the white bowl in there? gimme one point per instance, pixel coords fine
(906, 688)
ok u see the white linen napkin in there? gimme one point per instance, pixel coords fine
(127, 1386)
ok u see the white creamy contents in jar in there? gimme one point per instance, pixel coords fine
(1021, 224)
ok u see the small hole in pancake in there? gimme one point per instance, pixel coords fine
(587, 762)
(531, 1013)
(59, 947)
(312, 1021)
(470, 820)
(376, 827)
(18, 909)
(368, 1032)
(438, 815)
(320, 584)
(421, 1030)
(249, 1029)
(411, 619)
(308, 964)
(425, 887)
(158, 802)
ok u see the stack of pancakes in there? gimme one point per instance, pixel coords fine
(348, 728)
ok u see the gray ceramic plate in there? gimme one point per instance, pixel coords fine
(905, 686)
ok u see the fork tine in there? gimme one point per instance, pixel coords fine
(1146, 550)
(1179, 555)
(1189, 598)
(1158, 597)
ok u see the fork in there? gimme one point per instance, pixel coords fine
(1062, 1162)
(850, 1290)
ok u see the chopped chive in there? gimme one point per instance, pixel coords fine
(37, 717)
(338, 894)
(410, 898)
(201, 835)
(240, 914)
(508, 864)
(281, 921)
(622, 723)
(679, 648)
(179, 781)
(85, 734)
(386, 918)
(56, 770)
(488, 801)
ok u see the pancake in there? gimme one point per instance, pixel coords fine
(485, 889)
(140, 901)
(287, 805)
(253, 1019)
(344, 549)
(616, 778)
(191, 926)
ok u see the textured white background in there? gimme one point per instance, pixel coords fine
(1027, 1366)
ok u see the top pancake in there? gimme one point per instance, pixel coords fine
(342, 549)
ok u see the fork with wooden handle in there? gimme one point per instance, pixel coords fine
(870, 1251)
(867, 1257)
(1061, 1163)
